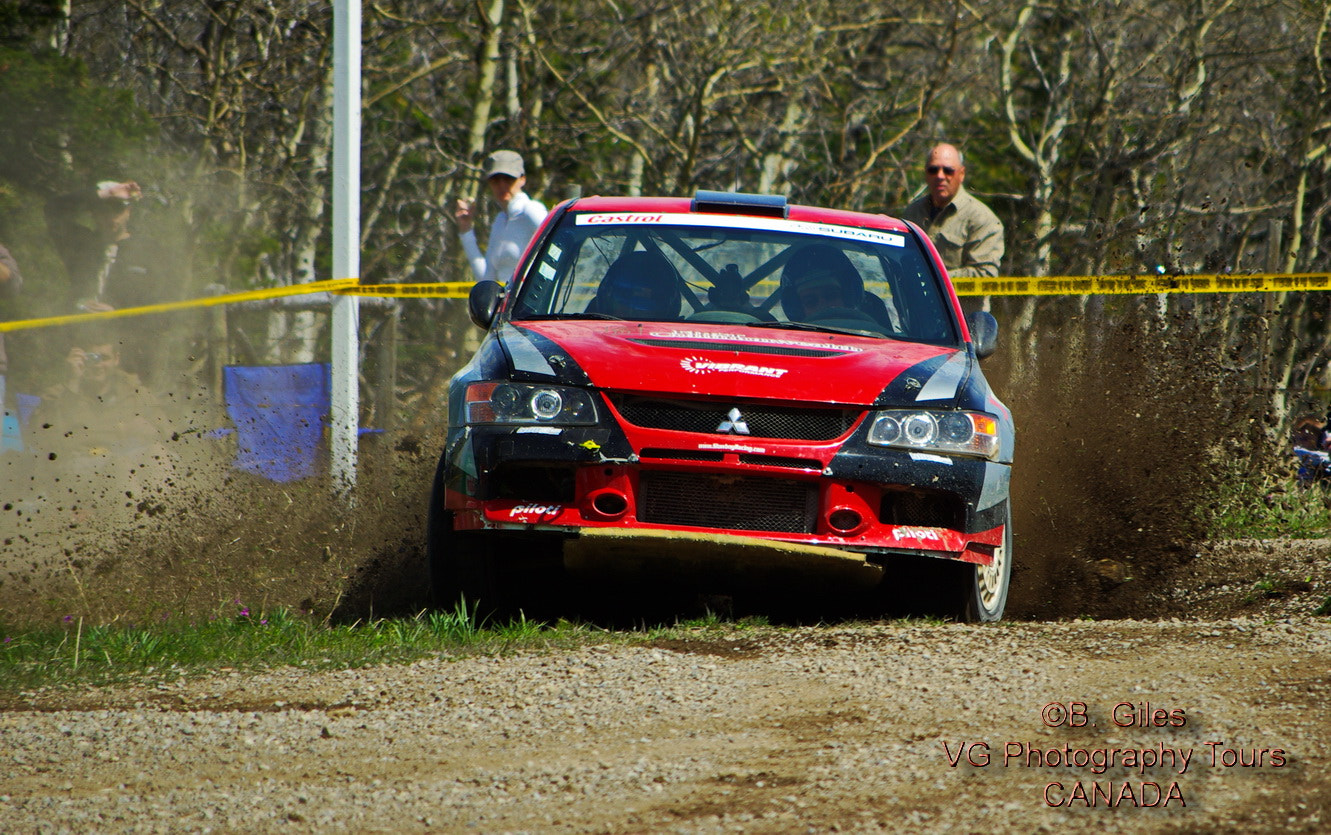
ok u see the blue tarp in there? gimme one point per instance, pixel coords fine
(11, 434)
(278, 412)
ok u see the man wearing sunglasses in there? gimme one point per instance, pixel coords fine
(967, 234)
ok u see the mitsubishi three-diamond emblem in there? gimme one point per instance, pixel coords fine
(734, 423)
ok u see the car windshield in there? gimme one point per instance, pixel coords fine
(736, 270)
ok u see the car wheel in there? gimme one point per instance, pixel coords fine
(985, 587)
(461, 571)
(930, 587)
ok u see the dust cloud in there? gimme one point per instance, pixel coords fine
(174, 531)
(1116, 439)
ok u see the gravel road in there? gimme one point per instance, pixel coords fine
(840, 728)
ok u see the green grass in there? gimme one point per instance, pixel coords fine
(75, 654)
(1243, 506)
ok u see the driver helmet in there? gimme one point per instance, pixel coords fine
(641, 284)
(824, 267)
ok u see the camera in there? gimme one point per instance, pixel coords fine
(92, 356)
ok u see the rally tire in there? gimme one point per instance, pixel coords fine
(928, 587)
(985, 588)
(460, 563)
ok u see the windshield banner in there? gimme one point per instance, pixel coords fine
(768, 224)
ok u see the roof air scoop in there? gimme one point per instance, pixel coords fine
(738, 203)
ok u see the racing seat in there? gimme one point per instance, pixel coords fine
(639, 285)
(877, 309)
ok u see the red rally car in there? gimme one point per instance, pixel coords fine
(727, 382)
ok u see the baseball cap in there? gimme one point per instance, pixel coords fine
(504, 162)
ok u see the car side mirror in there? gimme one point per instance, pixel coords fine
(984, 332)
(483, 302)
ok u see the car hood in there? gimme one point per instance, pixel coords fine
(743, 362)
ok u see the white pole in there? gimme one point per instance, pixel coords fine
(346, 241)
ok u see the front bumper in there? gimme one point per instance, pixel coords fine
(845, 496)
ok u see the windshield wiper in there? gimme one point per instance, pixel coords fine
(809, 326)
(544, 316)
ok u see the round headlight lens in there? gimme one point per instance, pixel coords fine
(886, 430)
(955, 428)
(505, 399)
(920, 429)
(546, 404)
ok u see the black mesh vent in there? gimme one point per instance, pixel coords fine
(533, 483)
(681, 454)
(781, 461)
(926, 510)
(740, 347)
(746, 504)
(762, 421)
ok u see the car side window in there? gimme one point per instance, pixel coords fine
(918, 296)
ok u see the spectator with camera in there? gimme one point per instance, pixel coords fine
(110, 264)
(100, 408)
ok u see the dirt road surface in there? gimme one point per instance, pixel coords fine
(1197, 700)
(1217, 726)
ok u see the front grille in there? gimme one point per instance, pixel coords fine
(730, 503)
(762, 421)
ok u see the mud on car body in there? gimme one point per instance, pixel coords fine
(735, 369)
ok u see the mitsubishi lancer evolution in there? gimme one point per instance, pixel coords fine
(727, 384)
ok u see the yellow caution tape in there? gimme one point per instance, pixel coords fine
(1021, 286)
(442, 290)
(1068, 285)
(1072, 285)
(333, 285)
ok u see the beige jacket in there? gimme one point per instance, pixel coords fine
(967, 234)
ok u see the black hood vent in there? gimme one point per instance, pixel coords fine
(738, 347)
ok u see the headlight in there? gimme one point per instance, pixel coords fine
(522, 403)
(960, 433)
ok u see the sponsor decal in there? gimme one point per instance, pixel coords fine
(754, 340)
(537, 509)
(732, 448)
(928, 534)
(702, 365)
(627, 217)
(798, 227)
